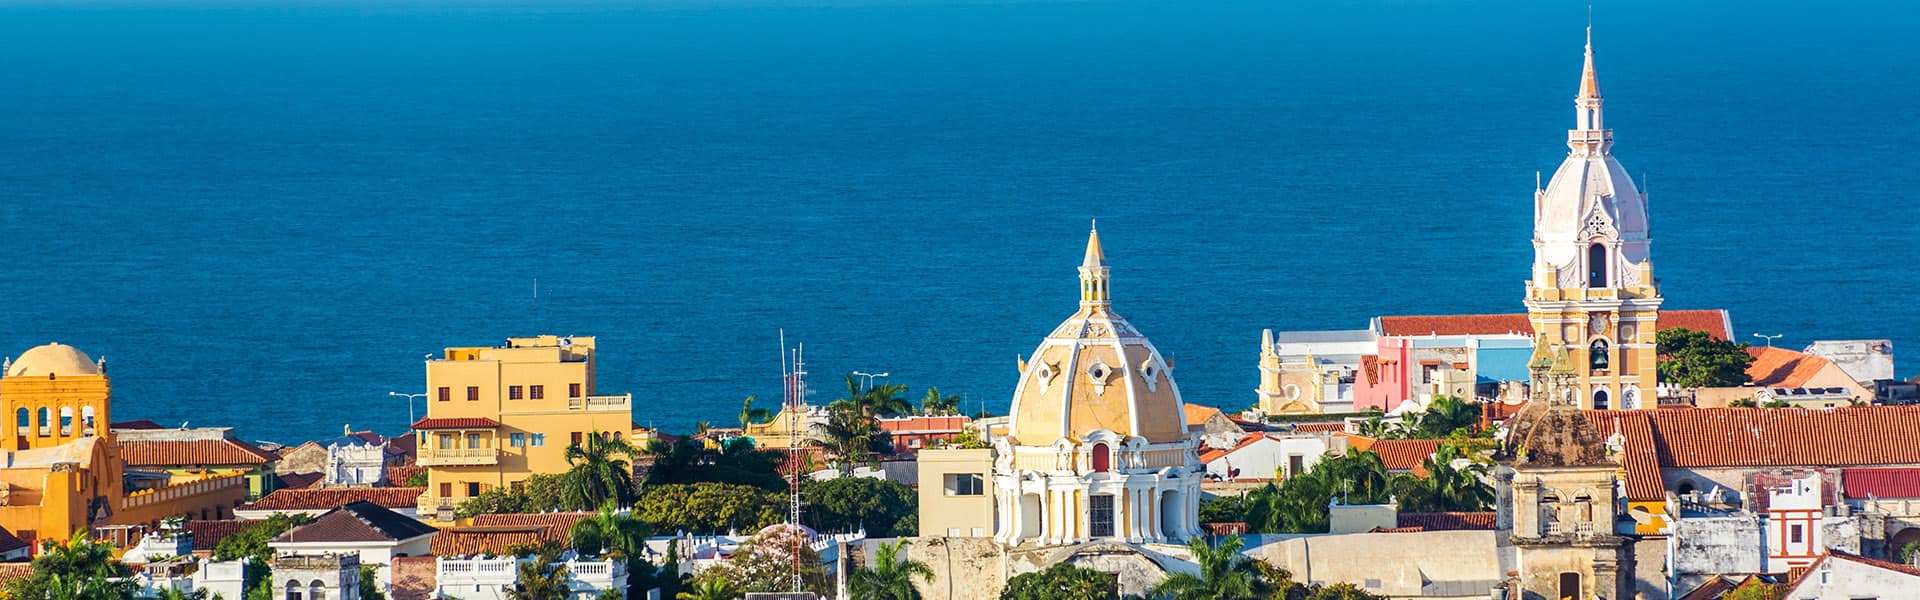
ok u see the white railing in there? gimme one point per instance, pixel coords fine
(476, 571)
(601, 403)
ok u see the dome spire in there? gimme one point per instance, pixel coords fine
(1589, 135)
(1093, 273)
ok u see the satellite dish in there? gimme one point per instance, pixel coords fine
(566, 342)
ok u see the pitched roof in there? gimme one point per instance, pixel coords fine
(456, 423)
(1640, 458)
(496, 533)
(1714, 322)
(297, 481)
(1447, 521)
(1777, 437)
(1197, 414)
(9, 543)
(1874, 562)
(1881, 483)
(358, 521)
(1783, 368)
(1212, 454)
(191, 453)
(312, 499)
(207, 534)
(1406, 455)
(12, 571)
(136, 424)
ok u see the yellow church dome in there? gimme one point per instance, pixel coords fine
(1095, 372)
(52, 359)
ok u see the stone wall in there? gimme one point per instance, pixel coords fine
(1708, 546)
(964, 568)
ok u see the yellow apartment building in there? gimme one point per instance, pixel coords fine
(496, 415)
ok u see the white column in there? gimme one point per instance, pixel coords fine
(1082, 510)
(1137, 524)
(1153, 513)
(1046, 514)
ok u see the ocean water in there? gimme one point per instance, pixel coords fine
(265, 214)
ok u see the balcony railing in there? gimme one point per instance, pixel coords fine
(443, 457)
(622, 402)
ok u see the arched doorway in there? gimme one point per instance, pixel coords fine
(1030, 512)
(1600, 400)
(1171, 525)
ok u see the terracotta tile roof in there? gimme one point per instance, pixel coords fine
(1395, 530)
(455, 423)
(1370, 365)
(1714, 322)
(1777, 437)
(296, 481)
(495, 533)
(1211, 454)
(207, 534)
(919, 423)
(1405, 455)
(12, 571)
(1881, 483)
(136, 424)
(316, 499)
(359, 521)
(1640, 458)
(1783, 368)
(1197, 414)
(195, 453)
(397, 475)
(1357, 442)
(1447, 521)
(1328, 427)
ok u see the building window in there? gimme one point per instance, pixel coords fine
(913, 443)
(473, 393)
(293, 590)
(473, 489)
(473, 440)
(1100, 519)
(1570, 585)
(316, 591)
(66, 421)
(446, 441)
(517, 440)
(1296, 465)
(46, 421)
(577, 438)
(1600, 400)
(515, 392)
(518, 486)
(446, 490)
(1597, 266)
(537, 392)
(446, 393)
(1793, 534)
(23, 418)
(965, 484)
(539, 439)
(573, 390)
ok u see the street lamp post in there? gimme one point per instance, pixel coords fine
(870, 377)
(1769, 338)
(409, 397)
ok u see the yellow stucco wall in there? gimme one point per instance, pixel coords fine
(942, 513)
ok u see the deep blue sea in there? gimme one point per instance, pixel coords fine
(264, 214)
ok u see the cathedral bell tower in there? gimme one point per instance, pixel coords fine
(1593, 301)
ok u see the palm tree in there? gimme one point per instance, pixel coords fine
(850, 435)
(882, 400)
(889, 578)
(936, 403)
(710, 589)
(609, 531)
(1224, 574)
(1446, 414)
(597, 474)
(539, 580)
(1446, 488)
(750, 415)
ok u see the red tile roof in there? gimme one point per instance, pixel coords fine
(495, 533)
(1777, 437)
(1783, 368)
(12, 571)
(296, 481)
(207, 534)
(1197, 414)
(195, 453)
(1405, 455)
(1714, 322)
(136, 424)
(924, 424)
(1448, 521)
(1328, 427)
(1640, 458)
(321, 499)
(1212, 454)
(397, 475)
(456, 423)
(1881, 483)
(1873, 562)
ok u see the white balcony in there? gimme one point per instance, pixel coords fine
(618, 403)
(458, 457)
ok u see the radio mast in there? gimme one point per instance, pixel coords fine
(794, 374)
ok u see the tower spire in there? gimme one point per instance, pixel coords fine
(1093, 273)
(1589, 136)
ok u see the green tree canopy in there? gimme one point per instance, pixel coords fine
(886, 508)
(765, 564)
(710, 508)
(1299, 504)
(541, 492)
(1693, 358)
(737, 461)
(79, 569)
(1063, 581)
(598, 473)
(1224, 573)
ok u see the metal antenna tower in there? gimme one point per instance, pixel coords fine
(794, 375)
